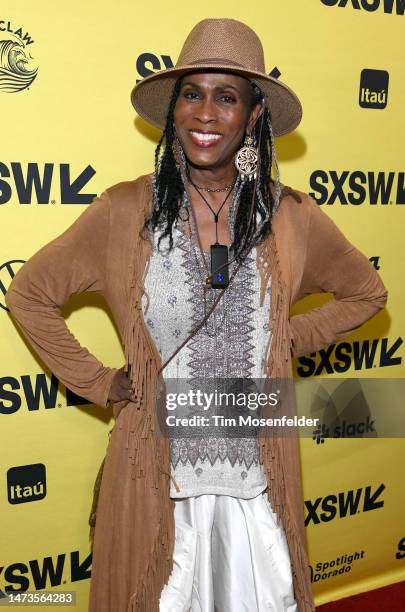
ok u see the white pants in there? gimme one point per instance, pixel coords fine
(229, 556)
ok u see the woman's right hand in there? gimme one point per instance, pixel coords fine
(120, 387)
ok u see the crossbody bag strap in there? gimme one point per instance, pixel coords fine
(219, 296)
(202, 322)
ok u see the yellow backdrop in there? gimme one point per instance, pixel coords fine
(68, 132)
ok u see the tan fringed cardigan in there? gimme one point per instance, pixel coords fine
(102, 251)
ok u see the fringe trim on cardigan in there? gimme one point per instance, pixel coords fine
(140, 351)
(271, 448)
(141, 356)
(146, 595)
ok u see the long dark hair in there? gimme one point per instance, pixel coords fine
(168, 185)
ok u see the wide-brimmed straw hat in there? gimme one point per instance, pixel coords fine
(225, 44)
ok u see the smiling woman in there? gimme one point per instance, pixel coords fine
(213, 113)
(199, 262)
(214, 100)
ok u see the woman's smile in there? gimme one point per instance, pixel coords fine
(211, 115)
(204, 138)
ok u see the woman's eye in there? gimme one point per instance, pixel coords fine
(228, 99)
(191, 95)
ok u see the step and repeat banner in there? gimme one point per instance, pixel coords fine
(69, 131)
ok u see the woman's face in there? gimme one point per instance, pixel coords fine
(211, 116)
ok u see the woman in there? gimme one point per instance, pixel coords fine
(200, 263)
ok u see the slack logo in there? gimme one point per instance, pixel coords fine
(373, 88)
(26, 483)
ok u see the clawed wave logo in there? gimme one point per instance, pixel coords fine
(17, 71)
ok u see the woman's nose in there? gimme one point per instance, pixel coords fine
(205, 111)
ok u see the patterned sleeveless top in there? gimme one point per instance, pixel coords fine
(231, 344)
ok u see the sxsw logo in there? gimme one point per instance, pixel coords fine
(373, 88)
(33, 392)
(357, 187)
(148, 63)
(37, 574)
(400, 554)
(33, 182)
(388, 6)
(343, 504)
(26, 483)
(359, 355)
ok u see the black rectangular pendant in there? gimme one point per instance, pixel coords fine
(219, 266)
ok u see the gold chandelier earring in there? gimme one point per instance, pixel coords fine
(247, 159)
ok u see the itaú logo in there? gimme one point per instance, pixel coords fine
(26, 483)
(373, 88)
(388, 6)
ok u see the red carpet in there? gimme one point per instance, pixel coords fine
(387, 599)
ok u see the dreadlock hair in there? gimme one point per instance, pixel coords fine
(168, 187)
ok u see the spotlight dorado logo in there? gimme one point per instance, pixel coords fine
(388, 6)
(17, 70)
(357, 187)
